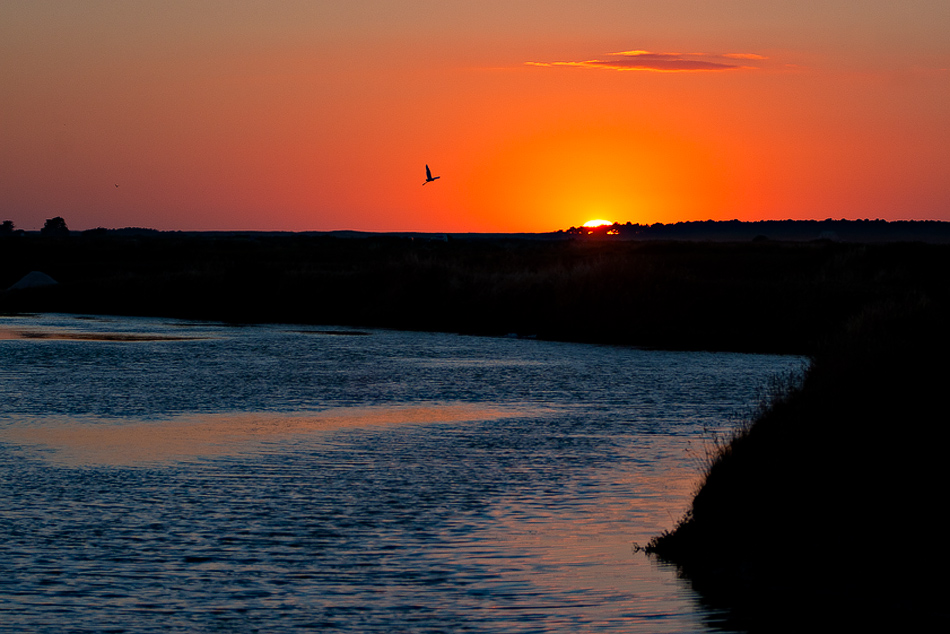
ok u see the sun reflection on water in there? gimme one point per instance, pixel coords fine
(91, 441)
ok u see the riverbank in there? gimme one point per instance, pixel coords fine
(824, 512)
(748, 296)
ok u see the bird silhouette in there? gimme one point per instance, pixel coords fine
(429, 177)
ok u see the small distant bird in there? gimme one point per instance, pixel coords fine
(116, 184)
(429, 177)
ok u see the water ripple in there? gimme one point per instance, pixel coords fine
(268, 479)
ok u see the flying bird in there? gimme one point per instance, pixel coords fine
(429, 177)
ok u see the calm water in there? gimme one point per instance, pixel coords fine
(178, 476)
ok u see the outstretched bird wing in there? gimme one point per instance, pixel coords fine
(428, 174)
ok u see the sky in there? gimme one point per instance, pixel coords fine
(537, 115)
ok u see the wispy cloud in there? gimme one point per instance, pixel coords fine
(664, 62)
(751, 56)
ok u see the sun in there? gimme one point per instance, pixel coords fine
(597, 223)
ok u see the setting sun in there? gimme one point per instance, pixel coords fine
(597, 223)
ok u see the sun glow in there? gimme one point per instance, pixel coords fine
(606, 173)
(597, 223)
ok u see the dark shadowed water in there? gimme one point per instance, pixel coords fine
(189, 477)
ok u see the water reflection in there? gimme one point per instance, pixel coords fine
(69, 335)
(202, 477)
(115, 442)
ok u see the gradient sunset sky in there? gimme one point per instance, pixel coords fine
(536, 114)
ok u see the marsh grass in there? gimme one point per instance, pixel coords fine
(764, 296)
(716, 446)
(830, 494)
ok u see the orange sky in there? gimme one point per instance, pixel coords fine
(537, 115)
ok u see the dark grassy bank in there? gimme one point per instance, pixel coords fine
(750, 296)
(826, 512)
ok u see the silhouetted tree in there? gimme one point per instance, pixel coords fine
(55, 228)
(6, 228)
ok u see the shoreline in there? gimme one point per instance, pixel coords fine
(825, 506)
(769, 297)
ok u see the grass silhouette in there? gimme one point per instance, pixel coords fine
(842, 473)
(751, 296)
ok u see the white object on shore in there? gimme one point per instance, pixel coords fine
(34, 279)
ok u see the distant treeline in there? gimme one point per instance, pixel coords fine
(797, 230)
(932, 231)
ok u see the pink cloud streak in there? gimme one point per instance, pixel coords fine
(662, 62)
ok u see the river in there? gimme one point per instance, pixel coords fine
(176, 476)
